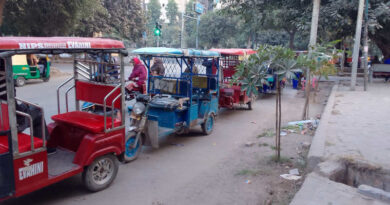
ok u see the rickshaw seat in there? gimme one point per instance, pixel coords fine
(24, 143)
(24, 140)
(164, 103)
(227, 92)
(84, 120)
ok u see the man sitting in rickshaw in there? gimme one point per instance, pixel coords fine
(138, 76)
(158, 67)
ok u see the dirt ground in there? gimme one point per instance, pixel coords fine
(255, 165)
(231, 166)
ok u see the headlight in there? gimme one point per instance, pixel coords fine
(138, 108)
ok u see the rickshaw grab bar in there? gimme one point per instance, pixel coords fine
(58, 93)
(42, 119)
(31, 127)
(112, 106)
(66, 97)
(105, 105)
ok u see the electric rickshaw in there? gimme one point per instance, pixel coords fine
(231, 94)
(84, 142)
(184, 97)
(24, 69)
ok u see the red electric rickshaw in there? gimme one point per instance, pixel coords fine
(231, 94)
(86, 143)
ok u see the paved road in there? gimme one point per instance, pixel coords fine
(185, 170)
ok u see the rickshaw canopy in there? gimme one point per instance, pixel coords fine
(65, 44)
(161, 51)
(234, 51)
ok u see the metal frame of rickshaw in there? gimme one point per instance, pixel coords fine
(197, 107)
(28, 169)
(231, 93)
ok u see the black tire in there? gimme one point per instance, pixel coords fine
(46, 79)
(249, 105)
(20, 81)
(90, 176)
(131, 154)
(206, 128)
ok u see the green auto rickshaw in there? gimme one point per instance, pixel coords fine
(25, 68)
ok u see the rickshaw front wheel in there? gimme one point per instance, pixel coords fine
(46, 79)
(100, 173)
(131, 153)
(20, 81)
(208, 125)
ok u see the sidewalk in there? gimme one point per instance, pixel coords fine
(351, 147)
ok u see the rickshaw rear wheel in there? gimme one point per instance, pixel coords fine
(20, 81)
(208, 125)
(100, 173)
(130, 153)
(249, 105)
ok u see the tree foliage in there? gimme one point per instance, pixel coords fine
(290, 16)
(121, 18)
(172, 12)
(338, 20)
(125, 18)
(153, 15)
(172, 29)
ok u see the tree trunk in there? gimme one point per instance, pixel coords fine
(292, 39)
(2, 4)
(312, 43)
(278, 119)
(305, 115)
(249, 42)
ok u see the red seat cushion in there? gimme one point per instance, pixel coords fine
(24, 143)
(85, 120)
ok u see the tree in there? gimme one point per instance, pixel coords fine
(252, 73)
(153, 16)
(216, 30)
(122, 19)
(172, 11)
(126, 19)
(190, 25)
(288, 15)
(2, 3)
(338, 20)
(40, 17)
(93, 19)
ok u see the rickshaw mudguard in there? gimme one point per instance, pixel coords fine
(96, 145)
(152, 134)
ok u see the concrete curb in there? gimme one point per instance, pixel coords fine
(317, 149)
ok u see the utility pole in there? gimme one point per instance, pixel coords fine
(312, 43)
(182, 30)
(355, 57)
(365, 34)
(197, 31)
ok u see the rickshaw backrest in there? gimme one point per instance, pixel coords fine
(4, 122)
(229, 72)
(95, 93)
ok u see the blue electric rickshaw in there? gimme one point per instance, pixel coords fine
(184, 97)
